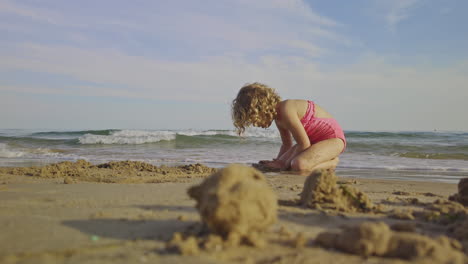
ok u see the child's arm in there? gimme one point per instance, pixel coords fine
(285, 140)
(291, 123)
(286, 145)
(284, 152)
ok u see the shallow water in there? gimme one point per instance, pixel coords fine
(423, 156)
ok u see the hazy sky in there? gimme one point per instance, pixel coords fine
(168, 64)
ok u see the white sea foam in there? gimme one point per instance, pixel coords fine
(6, 152)
(262, 133)
(128, 137)
(142, 136)
(249, 132)
(205, 133)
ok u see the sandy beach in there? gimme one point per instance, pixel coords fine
(127, 212)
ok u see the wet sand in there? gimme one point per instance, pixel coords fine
(128, 214)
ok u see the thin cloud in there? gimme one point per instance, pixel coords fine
(395, 11)
(296, 8)
(258, 27)
(33, 13)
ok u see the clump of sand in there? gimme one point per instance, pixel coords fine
(113, 172)
(236, 203)
(406, 214)
(462, 195)
(185, 246)
(321, 191)
(442, 212)
(376, 239)
(194, 245)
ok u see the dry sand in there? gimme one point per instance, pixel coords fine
(130, 212)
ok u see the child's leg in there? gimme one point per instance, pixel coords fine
(331, 164)
(322, 154)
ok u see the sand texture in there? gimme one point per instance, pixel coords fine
(70, 213)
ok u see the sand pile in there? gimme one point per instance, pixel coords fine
(78, 169)
(113, 172)
(321, 191)
(443, 211)
(459, 230)
(376, 239)
(462, 195)
(236, 203)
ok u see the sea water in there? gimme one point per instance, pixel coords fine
(421, 156)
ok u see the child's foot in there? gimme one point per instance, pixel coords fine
(265, 168)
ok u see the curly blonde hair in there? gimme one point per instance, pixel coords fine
(255, 105)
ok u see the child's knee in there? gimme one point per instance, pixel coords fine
(300, 164)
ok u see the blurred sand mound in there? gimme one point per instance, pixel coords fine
(236, 203)
(462, 195)
(376, 239)
(321, 191)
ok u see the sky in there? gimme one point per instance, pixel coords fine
(378, 65)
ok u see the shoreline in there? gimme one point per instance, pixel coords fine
(419, 175)
(45, 220)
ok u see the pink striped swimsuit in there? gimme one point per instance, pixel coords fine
(319, 129)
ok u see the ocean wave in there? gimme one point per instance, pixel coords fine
(103, 132)
(438, 156)
(406, 135)
(31, 141)
(6, 152)
(418, 150)
(135, 137)
(262, 133)
(250, 132)
(132, 137)
(402, 168)
(192, 133)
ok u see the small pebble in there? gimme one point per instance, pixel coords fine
(68, 180)
(300, 240)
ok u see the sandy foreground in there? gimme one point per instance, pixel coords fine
(127, 213)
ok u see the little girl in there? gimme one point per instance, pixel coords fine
(318, 136)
